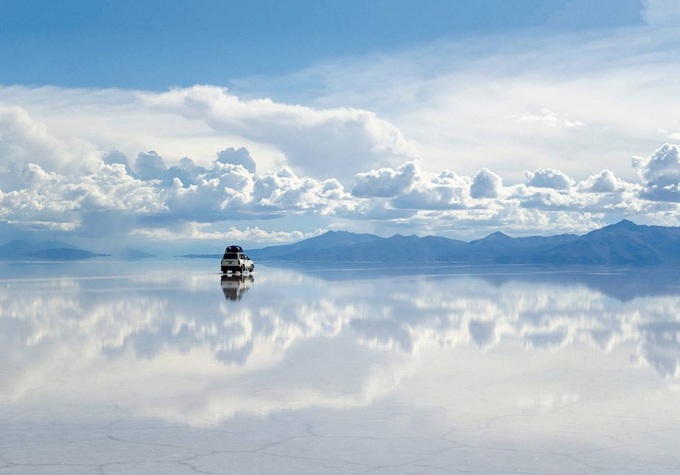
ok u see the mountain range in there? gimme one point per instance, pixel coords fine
(53, 250)
(623, 243)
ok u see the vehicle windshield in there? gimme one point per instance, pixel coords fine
(230, 256)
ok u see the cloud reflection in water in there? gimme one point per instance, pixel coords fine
(176, 347)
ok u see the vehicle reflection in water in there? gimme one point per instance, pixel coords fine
(235, 285)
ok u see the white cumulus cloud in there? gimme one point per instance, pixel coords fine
(486, 184)
(548, 178)
(385, 182)
(603, 182)
(660, 174)
(115, 163)
(431, 191)
(322, 143)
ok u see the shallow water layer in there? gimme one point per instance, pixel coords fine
(169, 367)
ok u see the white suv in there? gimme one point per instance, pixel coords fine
(235, 260)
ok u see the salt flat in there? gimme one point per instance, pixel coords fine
(167, 367)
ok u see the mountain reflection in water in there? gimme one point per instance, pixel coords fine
(158, 330)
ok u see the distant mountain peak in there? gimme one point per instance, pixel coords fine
(64, 254)
(626, 223)
(497, 238)
(402, 237)
(334, 233)
(498, 235)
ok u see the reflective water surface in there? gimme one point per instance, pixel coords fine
(169, 367)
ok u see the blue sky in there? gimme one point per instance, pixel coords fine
(156, 44)
(183, 124)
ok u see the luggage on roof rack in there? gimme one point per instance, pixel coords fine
(234, 249)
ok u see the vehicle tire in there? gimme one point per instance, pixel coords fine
(224, 270)
(243, 269)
